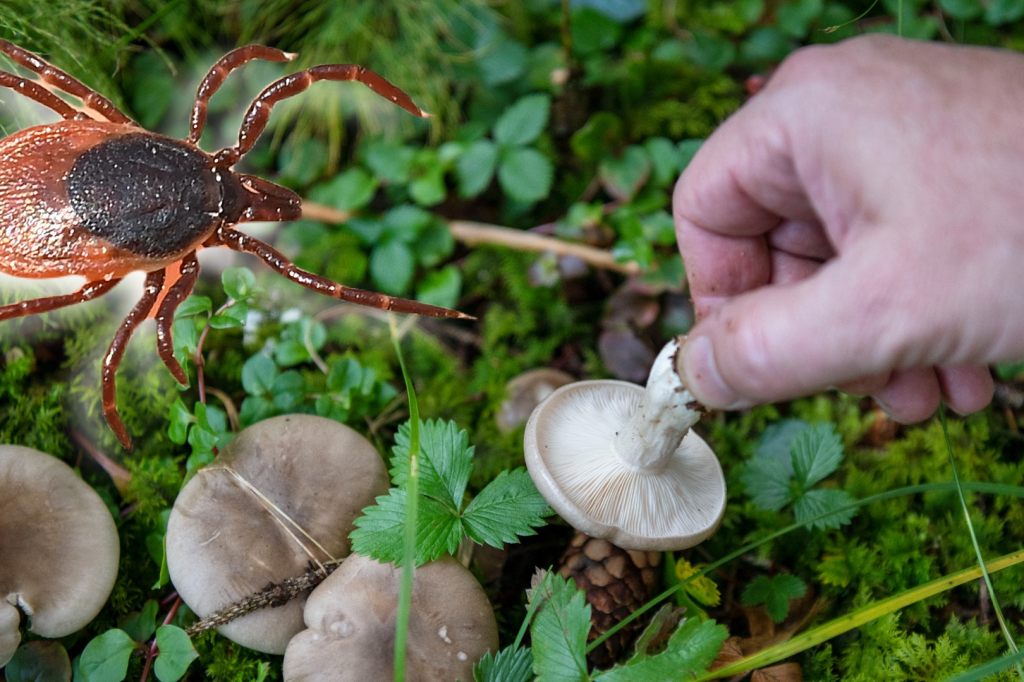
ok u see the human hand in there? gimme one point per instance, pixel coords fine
(860, 224)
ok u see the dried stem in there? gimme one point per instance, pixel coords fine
(273, 595)
(472, 233)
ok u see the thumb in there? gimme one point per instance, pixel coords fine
(784, 341)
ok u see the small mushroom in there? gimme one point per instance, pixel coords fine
(59, 548)
(525, 392)
(620, 462)
(283, 495)
(351, 620)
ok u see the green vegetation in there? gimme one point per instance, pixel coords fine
(570, 120)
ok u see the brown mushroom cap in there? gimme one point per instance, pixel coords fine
(351, 619)
(284, 493)
(60, 547)
(525, 392)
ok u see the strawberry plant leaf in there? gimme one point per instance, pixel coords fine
(559, 630)
(816, 452)
(509, 506)
(691, 649)
(508, 665)
(816, 502)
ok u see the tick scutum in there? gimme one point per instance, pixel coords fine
(147, 194)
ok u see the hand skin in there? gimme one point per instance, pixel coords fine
(859, 224)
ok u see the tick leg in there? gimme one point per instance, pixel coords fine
(65, 81)
(34, 91)
(88, 292)
(178, 292)
(151, 290)
(219, 72)
(275, 259)
(259, 111)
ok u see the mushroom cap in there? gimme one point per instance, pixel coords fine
(525, 392)
(570, 452)
(60, 547)
(226, 540)
(351, 620)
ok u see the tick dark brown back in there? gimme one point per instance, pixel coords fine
(102, 197)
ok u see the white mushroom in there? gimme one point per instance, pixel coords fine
(620, 462)
(351, 618)
(281, 496)
(58, 548)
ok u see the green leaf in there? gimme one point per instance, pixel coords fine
(239, 283)
(141, 625)
(441, 287)
(38, 661)
(475, 168)
(602, 132)
(665, 160)
(559, 630)
(815, 502)
(691, 650)
(710, 51)
(179, 420)
(194, 305)
(816, 452)
(258, 375)
(428, 188)
(105, 658)
(795, 17)
(766, 45)
(524, 121)
(379, 532)
(999, 12)
(507, 507)
(508, 665)
(964, 10)
(525, 174)
(176, 653)
(391, 267)
(593, 31)
(446, 460)
(231, 317)
(623, 176)
(502, 62)
(767, 482)
(774, 592)
(348, 191)
(389, 160)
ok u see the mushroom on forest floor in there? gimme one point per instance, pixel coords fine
(351, 617)
(60, 548)
(282, 496)
(619, 461)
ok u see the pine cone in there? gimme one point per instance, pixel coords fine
(616, 582)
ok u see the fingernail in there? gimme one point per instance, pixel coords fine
(703, 378)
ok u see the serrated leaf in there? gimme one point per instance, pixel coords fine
(816, 452)
(508, 665)
(525, 174)
(391, 267)
(176, 653)
(475, 168)
(380, 531)
(766, 480)
(446, 460)
(774, 593)
(508, 507)
(105, 658)
(559, 630)
(524, 121)
(691, 650)
(390, 160)
(815, 502)
(502, 62)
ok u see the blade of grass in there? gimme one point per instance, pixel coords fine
(411, 511)
(1007, 635)
(859, 617)
(975, 486)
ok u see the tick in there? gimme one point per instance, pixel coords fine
(102, 197)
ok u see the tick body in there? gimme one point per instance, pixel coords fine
(102, 197)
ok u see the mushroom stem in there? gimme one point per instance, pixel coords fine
(664, 416)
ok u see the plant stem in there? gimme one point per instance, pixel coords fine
(472, 233)
(661, 421)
